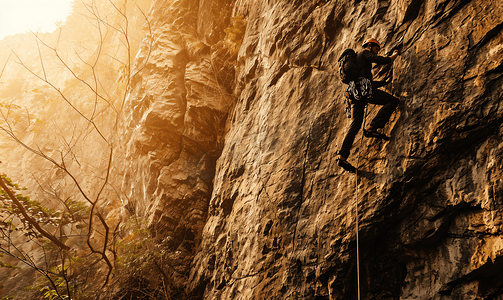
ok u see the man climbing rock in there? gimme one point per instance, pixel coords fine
(364, 61)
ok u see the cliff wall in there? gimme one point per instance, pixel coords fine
(231, 155)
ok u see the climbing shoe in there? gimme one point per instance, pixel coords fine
(345, 165)
(375, 134)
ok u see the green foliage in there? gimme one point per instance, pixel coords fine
(51, 293)
(141, 266)
(75, 211)
(9, 106)
(137, 249)
(15, 117)
(8, 298)
(4, 265)
(12, 219)
(59, 275)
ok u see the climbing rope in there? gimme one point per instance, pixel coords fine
(356, 208)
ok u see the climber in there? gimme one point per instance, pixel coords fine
(364, 61)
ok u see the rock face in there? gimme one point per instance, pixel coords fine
(279, 216)
(174, 123)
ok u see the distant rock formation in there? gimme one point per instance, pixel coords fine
(232, 156)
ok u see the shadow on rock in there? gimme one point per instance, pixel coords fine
(366, 174)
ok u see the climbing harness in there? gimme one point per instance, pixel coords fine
(355, 91)
(358, 89)
(366, 88)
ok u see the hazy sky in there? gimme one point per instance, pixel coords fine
(18, 16)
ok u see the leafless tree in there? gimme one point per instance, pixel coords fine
(112, 28)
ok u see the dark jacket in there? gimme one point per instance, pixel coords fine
(365, 58)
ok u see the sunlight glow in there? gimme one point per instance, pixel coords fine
(21, 16)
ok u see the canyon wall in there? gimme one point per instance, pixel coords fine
(174, 125)
(233, 127)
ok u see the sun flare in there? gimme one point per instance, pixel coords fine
(20, 16)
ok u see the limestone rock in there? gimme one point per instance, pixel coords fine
(282, 221)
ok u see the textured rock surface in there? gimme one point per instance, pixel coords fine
(174, 123)
(281, 219)
(278, 214)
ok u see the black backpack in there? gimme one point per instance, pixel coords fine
(348, 69)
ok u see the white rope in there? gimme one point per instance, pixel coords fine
(356, 208)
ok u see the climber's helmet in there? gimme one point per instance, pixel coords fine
(371, 42)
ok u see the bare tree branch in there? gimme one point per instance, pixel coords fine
(5, 65)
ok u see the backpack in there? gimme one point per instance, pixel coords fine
(348, 68)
